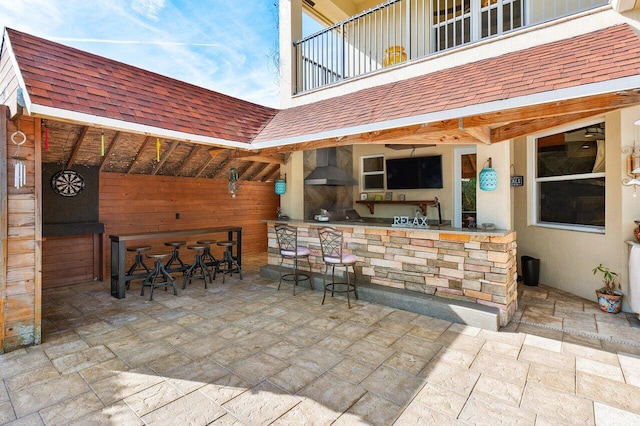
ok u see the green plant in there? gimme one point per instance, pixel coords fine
(608, 279)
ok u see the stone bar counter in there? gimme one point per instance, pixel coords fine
(474, 266)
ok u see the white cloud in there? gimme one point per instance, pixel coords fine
(221, 45)
(148, 8)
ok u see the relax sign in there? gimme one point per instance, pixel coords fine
(411, 222)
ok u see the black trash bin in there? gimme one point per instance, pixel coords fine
(530, 270)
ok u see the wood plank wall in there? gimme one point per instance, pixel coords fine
(67, 260)
(144, 203)
(22, 289)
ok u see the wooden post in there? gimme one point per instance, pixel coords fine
(4, 112)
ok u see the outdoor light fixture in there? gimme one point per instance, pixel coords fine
(633, 162)
(281, 185)
(594, 132)
(488, 177)
(233, 179)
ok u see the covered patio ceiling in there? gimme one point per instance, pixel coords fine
(76, 144)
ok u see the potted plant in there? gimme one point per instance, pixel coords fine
(609, 295)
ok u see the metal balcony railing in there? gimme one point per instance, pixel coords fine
(402, 30)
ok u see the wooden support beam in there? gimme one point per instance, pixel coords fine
(76, 146)
(187, 159)
(217, 151)
(139, 154)
(109, 150)
(481, 133)
(257, 169)
(271, 172)
(4, 214)
(165, 156)
(262, 158)
(203, 167)
(243, 169)
(528, 127)
(221, 166)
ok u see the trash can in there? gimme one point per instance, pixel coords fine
(530, 270)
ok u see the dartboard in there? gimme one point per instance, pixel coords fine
(67, 183)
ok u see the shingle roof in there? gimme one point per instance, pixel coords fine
(602, 55)
(62, 77)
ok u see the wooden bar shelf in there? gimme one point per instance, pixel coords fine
(423, 204)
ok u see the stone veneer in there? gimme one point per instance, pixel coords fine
(478, 267)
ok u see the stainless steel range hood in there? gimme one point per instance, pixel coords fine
(327, 171)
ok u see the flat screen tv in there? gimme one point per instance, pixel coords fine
(414, 172)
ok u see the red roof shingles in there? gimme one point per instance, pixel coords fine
(598, 56)
(66, 78)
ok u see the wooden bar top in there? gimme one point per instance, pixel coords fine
(177, 233)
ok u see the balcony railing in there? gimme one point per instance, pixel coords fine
(403, 30)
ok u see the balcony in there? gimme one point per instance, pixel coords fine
(404, 30)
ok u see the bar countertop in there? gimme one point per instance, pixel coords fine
(385, 224)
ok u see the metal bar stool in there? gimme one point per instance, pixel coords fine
(175, 256)
(138, 264)
(288, 243)
(332, 255)
(228, 264)
(207, 257)
(158, 271)
(198, 269)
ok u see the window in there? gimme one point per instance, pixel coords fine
(570, 179)
(372, 171)
(457, 22)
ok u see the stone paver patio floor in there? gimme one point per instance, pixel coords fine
(244, 353)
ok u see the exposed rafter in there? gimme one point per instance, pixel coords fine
(139, 153)
(194, 151)
(164, 157)
(109, 150)
(76, 146)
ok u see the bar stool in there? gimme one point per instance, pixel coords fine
(332, 255)
(175, 256)
(198, 265)
(207, 257)
(159, 271)
(228, 265)
(288, 243)
(138, 264)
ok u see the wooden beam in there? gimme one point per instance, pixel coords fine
(165, 156)
(192, 153)
(551, 109)
(476, 127)
(221, 166)
(77, 145)
(262, 158)
(4, 214)
(528, 127)
(204, 167)
(139, 154)
(109, 150)
(217, 151)
(272, 171)
(243, 169)
(481, 133)
(258, 167)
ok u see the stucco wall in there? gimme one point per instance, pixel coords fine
(567, 257)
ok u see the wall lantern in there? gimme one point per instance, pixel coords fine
(633, 163)
(488, 177)
(281, 185)
(233, 182)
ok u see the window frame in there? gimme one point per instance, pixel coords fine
(534, 189)
(382, 172)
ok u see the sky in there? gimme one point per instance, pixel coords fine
(224, 45)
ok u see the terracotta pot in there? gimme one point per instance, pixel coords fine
(609, 302)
